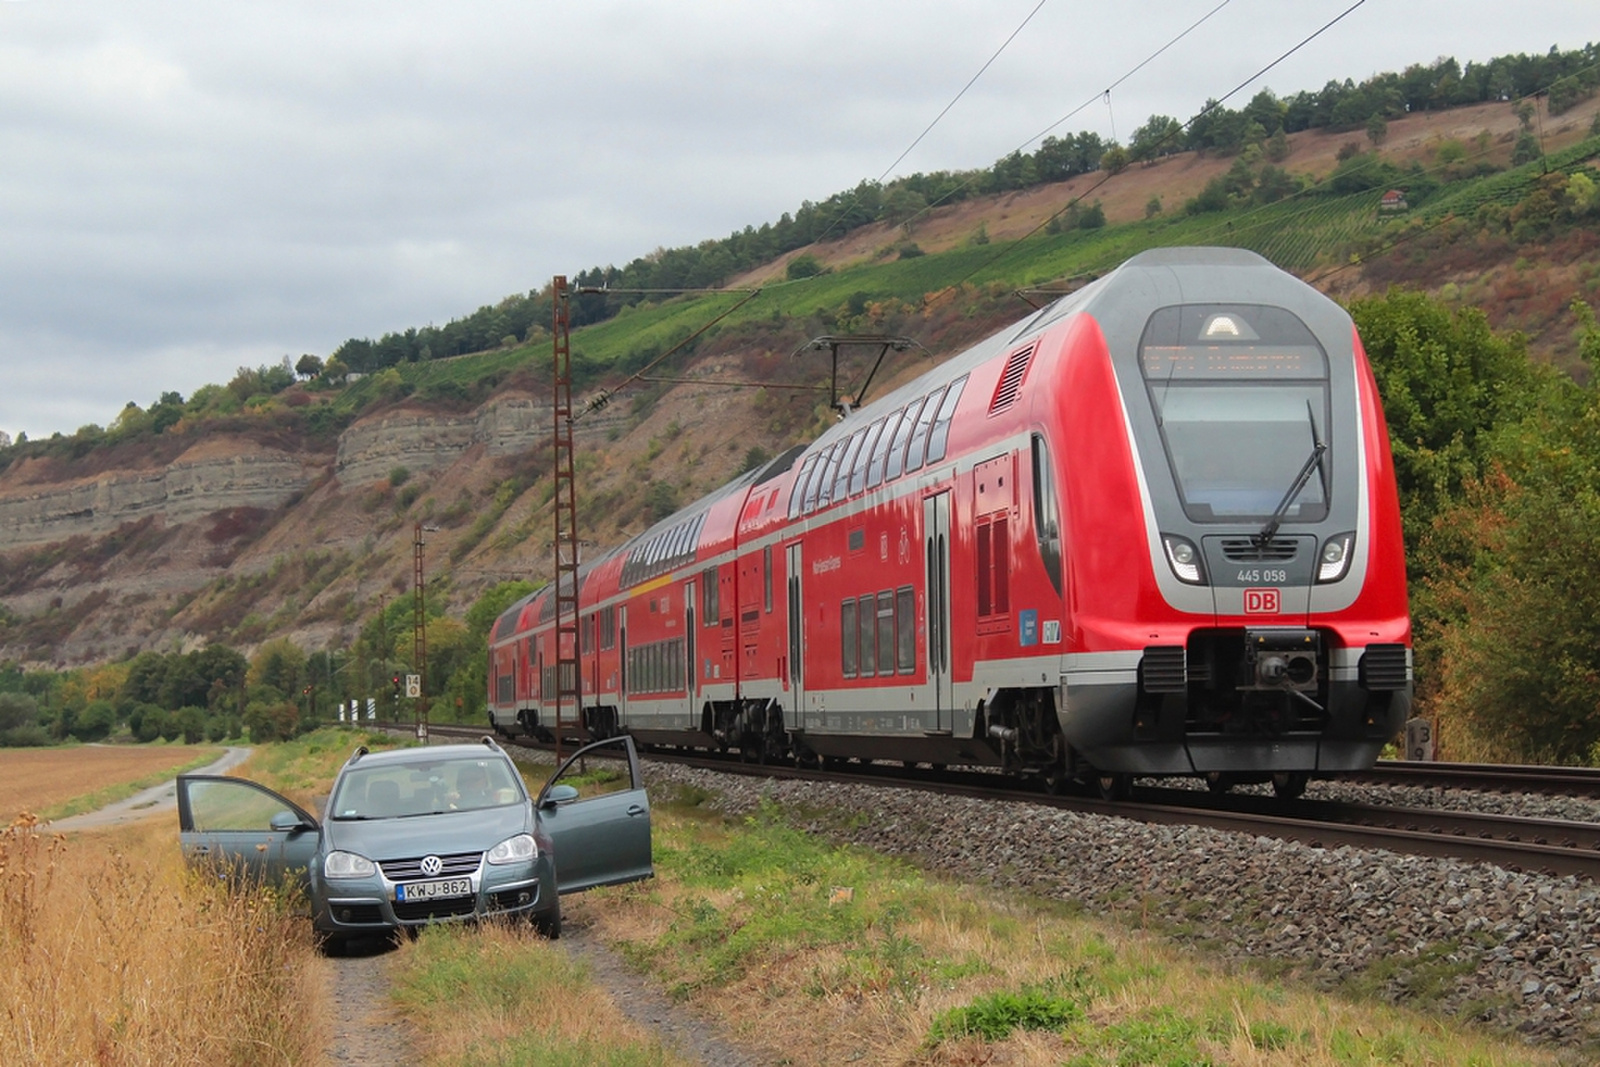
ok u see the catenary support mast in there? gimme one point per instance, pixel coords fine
(568, 706)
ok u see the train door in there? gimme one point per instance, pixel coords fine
(936, 555)
(797, 643)
(622, 663)
(691, 664)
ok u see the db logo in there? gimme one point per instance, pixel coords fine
(1261, 602)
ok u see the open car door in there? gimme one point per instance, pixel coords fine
(600, 828)
(246, 826)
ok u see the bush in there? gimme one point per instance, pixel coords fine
(30, 736)
(271, 722)
(153, 723)
(95, 722)
(803, 266)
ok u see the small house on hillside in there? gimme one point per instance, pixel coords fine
(1394, 200)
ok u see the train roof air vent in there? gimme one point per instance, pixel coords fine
(1005, 394)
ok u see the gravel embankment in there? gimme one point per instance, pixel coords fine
(1525, 945)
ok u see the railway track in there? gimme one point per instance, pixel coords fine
(1485, 777)
(1549, 846)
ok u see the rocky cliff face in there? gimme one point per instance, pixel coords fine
(222, 473)
(213, 476)
(506, 425)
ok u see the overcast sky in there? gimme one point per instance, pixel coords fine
(186, 188)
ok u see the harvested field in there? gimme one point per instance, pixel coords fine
(44, 779)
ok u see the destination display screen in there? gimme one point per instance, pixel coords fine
(1232, 361)
(1201, 341)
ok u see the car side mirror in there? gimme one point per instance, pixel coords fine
(287, 822)
(559, 794)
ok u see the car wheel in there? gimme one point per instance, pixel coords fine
(331, 945)
(549, 925)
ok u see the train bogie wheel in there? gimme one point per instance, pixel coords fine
(1218, 784)
(1289, 785)
(1115, 786)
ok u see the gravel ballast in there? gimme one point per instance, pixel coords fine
(1515, 951)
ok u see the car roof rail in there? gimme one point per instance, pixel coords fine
(361, 750)
(489, 742)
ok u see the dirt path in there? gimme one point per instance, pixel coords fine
(152, 801)
(367, 1031)
(643, 1001)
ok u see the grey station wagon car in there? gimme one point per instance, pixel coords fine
(418, 835)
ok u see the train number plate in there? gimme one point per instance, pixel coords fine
(444, 887)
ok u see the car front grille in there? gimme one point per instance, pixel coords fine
(445, 908)
(455, 865)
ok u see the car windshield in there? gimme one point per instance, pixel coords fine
(395, 790)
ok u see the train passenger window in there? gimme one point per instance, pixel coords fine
(849, 638)
(919, 436)
(869, 645)
(708, 598)
(841, 483)
(940, 437)
(586, 635)
(835, 457)
(858, 471)
(905, 628)
(902, 434)
(608, 628)
(1046, 512)
(886, 632)
(818, 476)
(880, 451)
(766, 577)
(801, 480)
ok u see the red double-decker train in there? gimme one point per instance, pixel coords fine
(1151, 529)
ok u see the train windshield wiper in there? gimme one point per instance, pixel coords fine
(1313, 462)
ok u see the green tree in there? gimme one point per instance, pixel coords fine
(1446, 380)
(804, 265)
(308, 366)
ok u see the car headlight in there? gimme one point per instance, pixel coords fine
(517, 849)
(348, 865)
(1183, 558)
(1335, 557)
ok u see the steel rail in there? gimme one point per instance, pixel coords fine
(1554, 847)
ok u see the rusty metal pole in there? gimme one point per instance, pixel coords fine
(566, 518)
(419, 637)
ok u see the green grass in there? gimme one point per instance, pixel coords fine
(768, 903)
(511, 987)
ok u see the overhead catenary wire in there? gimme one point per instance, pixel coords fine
(946, 110)
(1170, 135)
(1101, 94)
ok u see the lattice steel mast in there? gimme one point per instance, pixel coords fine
(566, 519)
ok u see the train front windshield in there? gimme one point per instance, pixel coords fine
(1240, 394)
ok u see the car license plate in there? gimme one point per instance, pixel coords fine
(444, 887)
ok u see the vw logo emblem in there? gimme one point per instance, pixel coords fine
(432, 865)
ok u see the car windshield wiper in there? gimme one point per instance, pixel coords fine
(1313, 462)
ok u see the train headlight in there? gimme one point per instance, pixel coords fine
(1184, 559)
(1335, 558)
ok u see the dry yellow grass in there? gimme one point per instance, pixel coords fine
(112, 952)
(40, 779)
